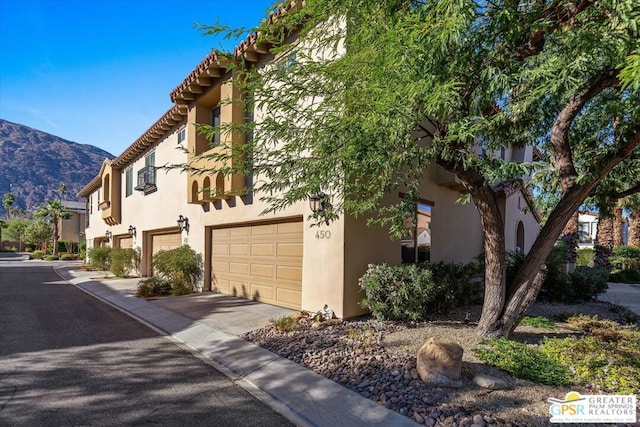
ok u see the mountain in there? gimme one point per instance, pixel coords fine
(33, 164)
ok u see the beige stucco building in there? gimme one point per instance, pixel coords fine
(278, 258)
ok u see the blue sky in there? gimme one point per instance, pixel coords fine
(100, 72)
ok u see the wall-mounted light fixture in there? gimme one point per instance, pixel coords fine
(108, 235)
(319, 203)
(132, 231)
(183, 223)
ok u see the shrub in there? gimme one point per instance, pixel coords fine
(52, 258)
(100, 258)
(585, 256)
(396, 292)
(455, 285)
(588, 282)
(284, 323)
(625, 276)
(604, 360)
(626, 258)
(152, 287)
(37, 254)
(124, 261)
(538, 322)
(524, 361)
(67, 257)
(182, 267)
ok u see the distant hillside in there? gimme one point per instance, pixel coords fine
(33, 164)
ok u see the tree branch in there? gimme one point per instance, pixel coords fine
(628, 192)
(560, 130)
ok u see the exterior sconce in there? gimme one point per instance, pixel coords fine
(319, 204)
(132, 231)
(183, 223)
(108, 235)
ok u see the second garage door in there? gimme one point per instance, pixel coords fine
(259, 261)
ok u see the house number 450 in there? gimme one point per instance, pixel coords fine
(323, 234)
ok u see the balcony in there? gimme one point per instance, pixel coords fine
(147, 180)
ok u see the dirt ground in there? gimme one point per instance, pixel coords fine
(524, 401)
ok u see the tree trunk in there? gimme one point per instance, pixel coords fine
(618, 225)
(522, 292)
(604, 243)
(570, 237)
(634, 228)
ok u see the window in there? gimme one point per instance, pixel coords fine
(416, 243)
(215, 122)
(129, 182)
(182, 135)
(147, 175)
(288, 62)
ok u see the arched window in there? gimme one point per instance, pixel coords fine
(520, 237)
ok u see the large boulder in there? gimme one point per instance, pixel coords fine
(439, 362)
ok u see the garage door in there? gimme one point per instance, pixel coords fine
(259, 261)
(125, 242)
(164, 242)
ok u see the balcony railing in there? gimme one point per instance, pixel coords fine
(147, 180)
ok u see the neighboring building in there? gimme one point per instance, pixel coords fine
(72, 229)
(278, 258)
(588, 228)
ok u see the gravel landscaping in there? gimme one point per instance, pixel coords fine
(377, 360)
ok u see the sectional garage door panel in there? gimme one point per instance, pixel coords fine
(259, 261)
(165, 242)
(125, 242)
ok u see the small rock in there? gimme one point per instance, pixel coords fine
(489, 382)
(364, 384)
(478, 420)
(395, 373)
(414, 373)
(418, 418)
(365, 394)
(430, 422)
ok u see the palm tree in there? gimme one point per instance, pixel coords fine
(618, 225)
(7, 201)
(570, 237)
(54, 212)
(604, 242)
(634, 228)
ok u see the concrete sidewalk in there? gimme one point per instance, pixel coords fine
(301, 395)
(623, 294)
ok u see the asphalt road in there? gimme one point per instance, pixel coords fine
(67, 359)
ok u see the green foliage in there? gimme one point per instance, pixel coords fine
(37, 254)
(587, 282)
(100, 258)
(524, 361)
(52, 258)
(604, 360)
(410, 291)
(456, 285)
(625, 276)
(153, 287)
(124, 261)
(67, 257)
(626, 258)
(283, 323)
(585, 256)
(538, 322)
(37, 233)
(397, 292)
(181, 267)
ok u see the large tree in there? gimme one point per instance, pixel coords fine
(378, 92)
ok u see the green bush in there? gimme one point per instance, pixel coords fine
(396, 292)
(124, 261)
(524, 361)
(52, 258)
(538, 322)
(182, 267)
(100, 258)
(67, 257)
(625, 276)
(585, 256)
(588, 282)
(37, 254)
(455, 285)
(152, 287)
